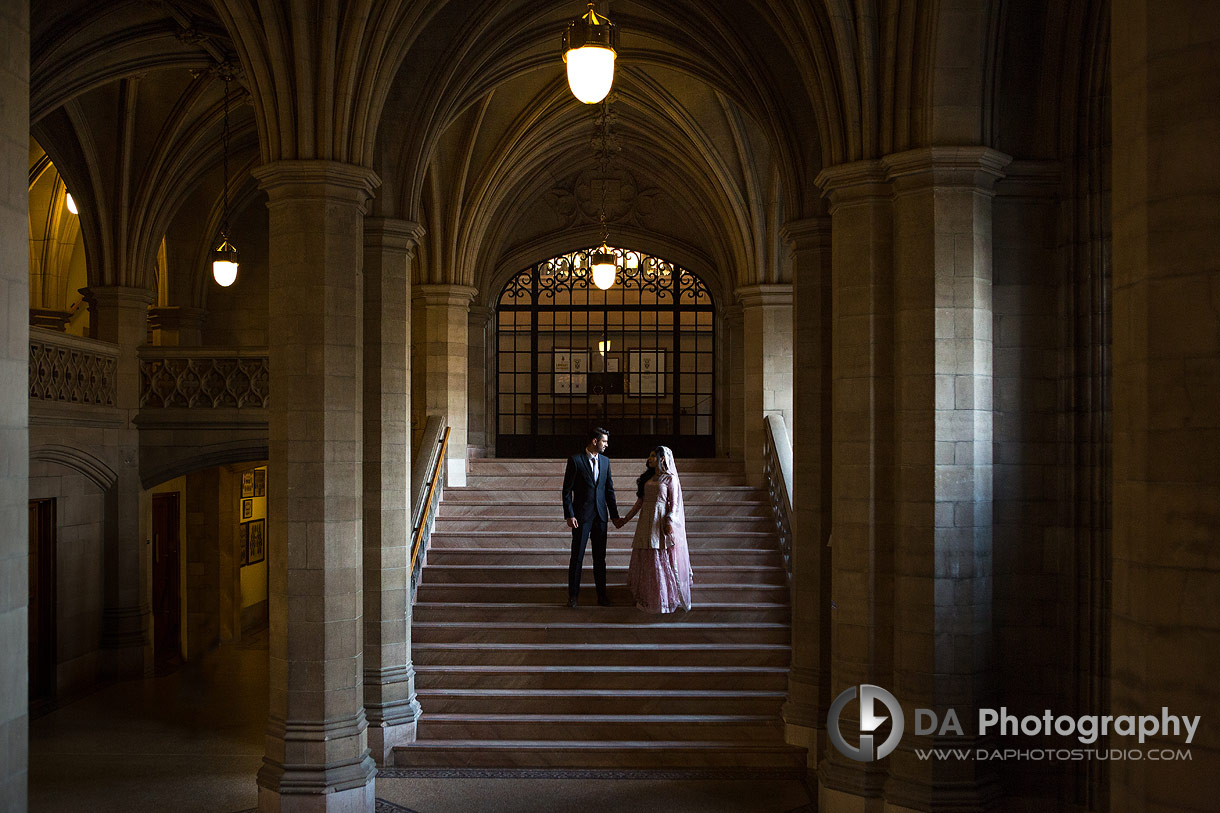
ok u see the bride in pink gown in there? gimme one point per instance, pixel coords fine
(660, 573)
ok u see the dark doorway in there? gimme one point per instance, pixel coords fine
(42, 601)
(167, 592)
(637, 359)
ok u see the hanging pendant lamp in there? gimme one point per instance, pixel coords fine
(224, 257)
(590, 45)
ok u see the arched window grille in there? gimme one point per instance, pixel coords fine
(638, 359)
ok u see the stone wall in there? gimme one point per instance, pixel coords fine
(79, 512)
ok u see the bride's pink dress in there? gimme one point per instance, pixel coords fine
(660, 573)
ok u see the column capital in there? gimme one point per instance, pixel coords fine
(392, 233)
(176, 317)
(481, 313)
(977, 167)
(454, 296)
(854, 181)
(807, 233)
(118, 296)
(754, 296)
(304, 180)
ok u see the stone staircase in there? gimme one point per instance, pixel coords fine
(510, 677)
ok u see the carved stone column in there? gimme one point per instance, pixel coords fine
(767, 342)
(862, 453)
(440, 334)
(119, 314)
(389, 678)
(317, 755)
(809, 675)
(943, 476)
(14, 405)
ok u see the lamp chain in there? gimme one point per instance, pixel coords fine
(224, 228)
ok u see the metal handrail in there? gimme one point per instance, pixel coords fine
(777, 470)
(428, 471)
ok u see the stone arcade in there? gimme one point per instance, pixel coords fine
(965, 250)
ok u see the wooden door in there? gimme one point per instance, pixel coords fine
(42, 600)
(167, 591)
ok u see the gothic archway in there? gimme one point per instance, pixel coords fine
(638, 359)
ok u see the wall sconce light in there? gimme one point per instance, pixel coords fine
(589, 48)
(603, 346)
(70, 203)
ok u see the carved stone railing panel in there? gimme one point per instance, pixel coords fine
(71, 370)
(203, 378)
(777, 472)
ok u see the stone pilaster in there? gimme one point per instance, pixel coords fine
(943, 477)
(481, 435)
(767, 342)
(177, 326)
(317, 755)
(14, 405)
(440, 333)
(731, 438)
(862, 534)
(119, 314)
(389, 678)
(1165, 625)
(809, 675)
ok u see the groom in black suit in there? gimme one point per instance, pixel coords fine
(588, 506)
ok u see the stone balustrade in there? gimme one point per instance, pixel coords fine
(72, 370)
(203, 378)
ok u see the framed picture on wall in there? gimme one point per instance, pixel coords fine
(611, 365)
(247, 508)
(258, 541)
(571, 369)
(260, 482)
(244, 537)
(247, 483)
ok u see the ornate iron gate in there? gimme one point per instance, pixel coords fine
(638, 359)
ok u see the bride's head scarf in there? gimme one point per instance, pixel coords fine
(665, 462)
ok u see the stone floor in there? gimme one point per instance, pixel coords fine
(192, 741)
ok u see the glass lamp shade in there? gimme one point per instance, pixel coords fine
(224, 263)
(70, 203)
(603, 269)
(589, 46)
(603, 347)
(590, 73)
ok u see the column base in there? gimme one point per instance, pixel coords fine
(837, 801)
(813, 740)
(392, 726)
(353, 800)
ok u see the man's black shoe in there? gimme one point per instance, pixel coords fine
(572, 601)
(604, 601)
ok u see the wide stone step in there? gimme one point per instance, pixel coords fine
(489, 465)
(515, 492)
(623, 479)
(600, 701)
(618, 677)
(615, 557)
(615, 540)
(574, 727)
(557, 590)
(558, 611)
(601, 654)
(574, 632)
(460, 508)
(695, 523)
(629, 755)
(482, 574)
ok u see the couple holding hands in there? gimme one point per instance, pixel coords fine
(659, 574)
